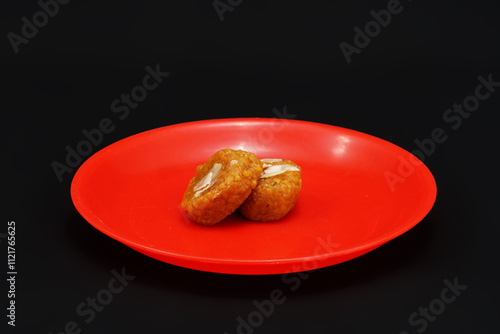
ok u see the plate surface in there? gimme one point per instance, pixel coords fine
(358, 192)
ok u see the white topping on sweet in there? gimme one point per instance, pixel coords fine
(207, 181)
(269, 162)
(278, 169)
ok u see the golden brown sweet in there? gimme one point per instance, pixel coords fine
(221, 185)
(276, 193)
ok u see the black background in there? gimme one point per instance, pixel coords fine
(263, 55)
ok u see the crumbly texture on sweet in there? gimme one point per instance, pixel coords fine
(211, 198)
(274, 196)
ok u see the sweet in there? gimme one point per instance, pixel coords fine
(276, 193)
(221, 185)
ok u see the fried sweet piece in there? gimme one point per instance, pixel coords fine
(276, 193)
(221, 185)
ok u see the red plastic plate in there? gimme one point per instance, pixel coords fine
(358, 192)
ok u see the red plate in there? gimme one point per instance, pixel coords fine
(358, 192)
